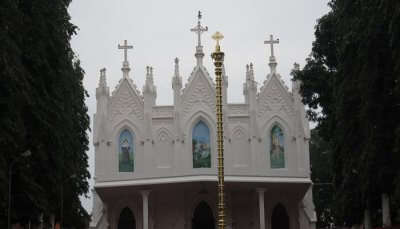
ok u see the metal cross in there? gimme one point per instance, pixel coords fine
(125, 47)
(199, 29)
(272, 42)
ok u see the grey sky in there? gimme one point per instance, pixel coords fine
(160, 31)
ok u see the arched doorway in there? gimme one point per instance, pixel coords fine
(279, 218)
(203, 217)
(126, 219)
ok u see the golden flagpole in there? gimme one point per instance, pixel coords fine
(218, 58)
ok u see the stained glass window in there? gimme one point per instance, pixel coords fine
(126, 151)
(277, 148)
(201, 146)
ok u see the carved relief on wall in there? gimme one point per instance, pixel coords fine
(272, 99)
(126, 103)
(200, 94)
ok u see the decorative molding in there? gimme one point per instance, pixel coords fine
(162, 111)
(238, 109)
(203, 178)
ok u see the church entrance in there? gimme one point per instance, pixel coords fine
(279, 218)
(203, 217)
(126, 219)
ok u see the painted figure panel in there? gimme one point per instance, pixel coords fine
(126, 152)
(201, 146)
(277, 148)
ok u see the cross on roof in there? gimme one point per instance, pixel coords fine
(271, 42)
(199, 29)
(125, 47)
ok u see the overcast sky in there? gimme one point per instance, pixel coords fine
(160, 31)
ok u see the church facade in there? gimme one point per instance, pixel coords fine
(155, 166)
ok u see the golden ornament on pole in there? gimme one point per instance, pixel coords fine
(218, 58)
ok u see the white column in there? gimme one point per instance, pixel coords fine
(367, 219)
(145, 198)
(386, 211)
(261, 192)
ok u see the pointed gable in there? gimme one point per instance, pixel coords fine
(198, 92)
(126, 100)
(274, 97)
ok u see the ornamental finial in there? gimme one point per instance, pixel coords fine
(198, 29)
(217, 36)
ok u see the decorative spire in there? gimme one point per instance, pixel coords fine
(251, 72)
(149, 83)
(296, 83)
(198, 29)
(149, 74)
(102, 89)
(272, 60)
(176, 80)
(125, 64)
(103, 81)
(176, 67)
(247, 72)
(296, 66)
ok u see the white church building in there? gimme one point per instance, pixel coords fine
(155, 166)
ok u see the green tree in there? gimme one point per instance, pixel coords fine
(42, 109)
(352, 76)
(321, 175)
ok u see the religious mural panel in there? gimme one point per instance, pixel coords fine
(201, 146)
(277, 148)
(126, 152)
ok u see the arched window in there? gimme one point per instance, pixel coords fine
(277, 148)
(201, 146)
(126, 151)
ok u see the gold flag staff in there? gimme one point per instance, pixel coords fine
(218, 58)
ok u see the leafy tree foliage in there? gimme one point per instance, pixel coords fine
(42, 109)
(321, 175)
(351, 84)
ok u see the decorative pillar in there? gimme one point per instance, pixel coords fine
(145, 198)
(261, 192)
(218, 58)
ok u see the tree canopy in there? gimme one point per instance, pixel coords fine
(42, 109)
(351, 86)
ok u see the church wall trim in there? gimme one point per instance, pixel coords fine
(201, 178)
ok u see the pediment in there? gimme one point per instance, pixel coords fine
(126, 101)
(274, 97)
(199, 92)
